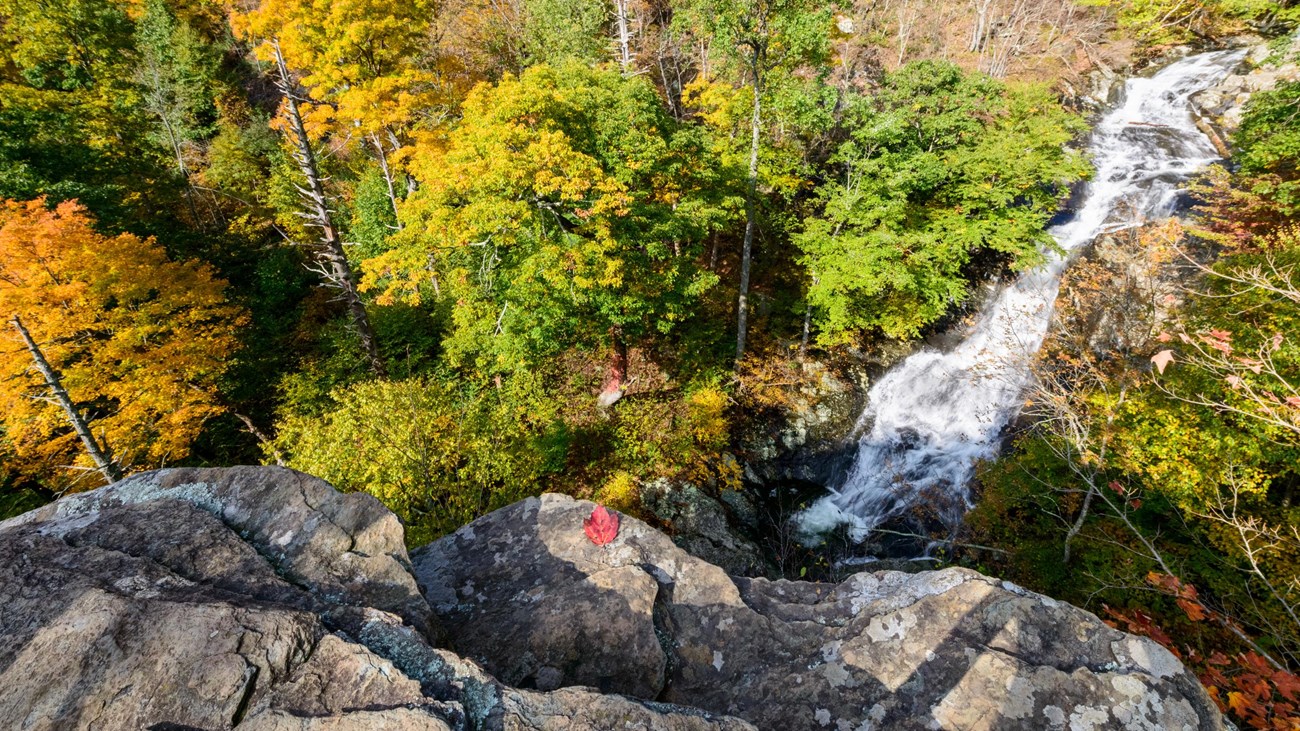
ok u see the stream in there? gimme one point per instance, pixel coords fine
(930, 419)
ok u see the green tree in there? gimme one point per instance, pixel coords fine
(566, 210)
(761, 39)
(71, 122)
(939, 166)
(559, 30)
(176, 74)
(78, 44)
(436, 455)
(1267, 146)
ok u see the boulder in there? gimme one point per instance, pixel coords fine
(700, 524)
(947, 649)
(1221, 106)
(342, 548)
(260, 598)
(251, 598)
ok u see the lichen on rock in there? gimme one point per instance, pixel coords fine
(260, 598)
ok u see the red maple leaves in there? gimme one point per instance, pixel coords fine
(1246, 685)
(601, 526)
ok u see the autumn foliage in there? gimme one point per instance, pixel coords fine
(601, 526)
(529, 207)
(1246, 684)
(139, 341)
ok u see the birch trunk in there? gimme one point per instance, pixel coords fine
(624, 37)
(99, 455)
(330, 256)
(388, 177)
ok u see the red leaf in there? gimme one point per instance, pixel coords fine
(1287, 684)
(1193, 610)
(601, 526)
(1255, 366)
(1254, 662)
(1214, 677)
(1162, 359)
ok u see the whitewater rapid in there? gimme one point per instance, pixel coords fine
(930, 419)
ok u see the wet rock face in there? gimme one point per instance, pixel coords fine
(809, 439)
(939, 650)
(250, 598)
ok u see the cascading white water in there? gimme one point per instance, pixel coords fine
(932, 417)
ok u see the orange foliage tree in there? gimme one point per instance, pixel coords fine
(136, 342)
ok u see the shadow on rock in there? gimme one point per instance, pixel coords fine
(524, 592)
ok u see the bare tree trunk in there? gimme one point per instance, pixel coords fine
(262, 438)
(908, 14)
(617, 379)
(331, 258)
(388, 176)
(751, 212)
(1015, 28)
(980, 29)
(99, 455)
(807, 331)
(624, 37)
(807, 324)
(1078, 523)
(156, 103)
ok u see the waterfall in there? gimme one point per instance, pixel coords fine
(932, 417)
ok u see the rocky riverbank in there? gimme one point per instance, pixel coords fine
(1266, 65)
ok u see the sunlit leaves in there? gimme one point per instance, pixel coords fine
(566, 202)
(437, 456)
(372, 63)
(140, 341)
(1167, 22)
(940, 166)
(1268, 143)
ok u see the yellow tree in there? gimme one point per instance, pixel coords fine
(373, 70)
(113, 352)
(370, 74)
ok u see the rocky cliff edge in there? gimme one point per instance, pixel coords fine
(261, 598)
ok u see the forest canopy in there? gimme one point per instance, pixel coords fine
(454, 254)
